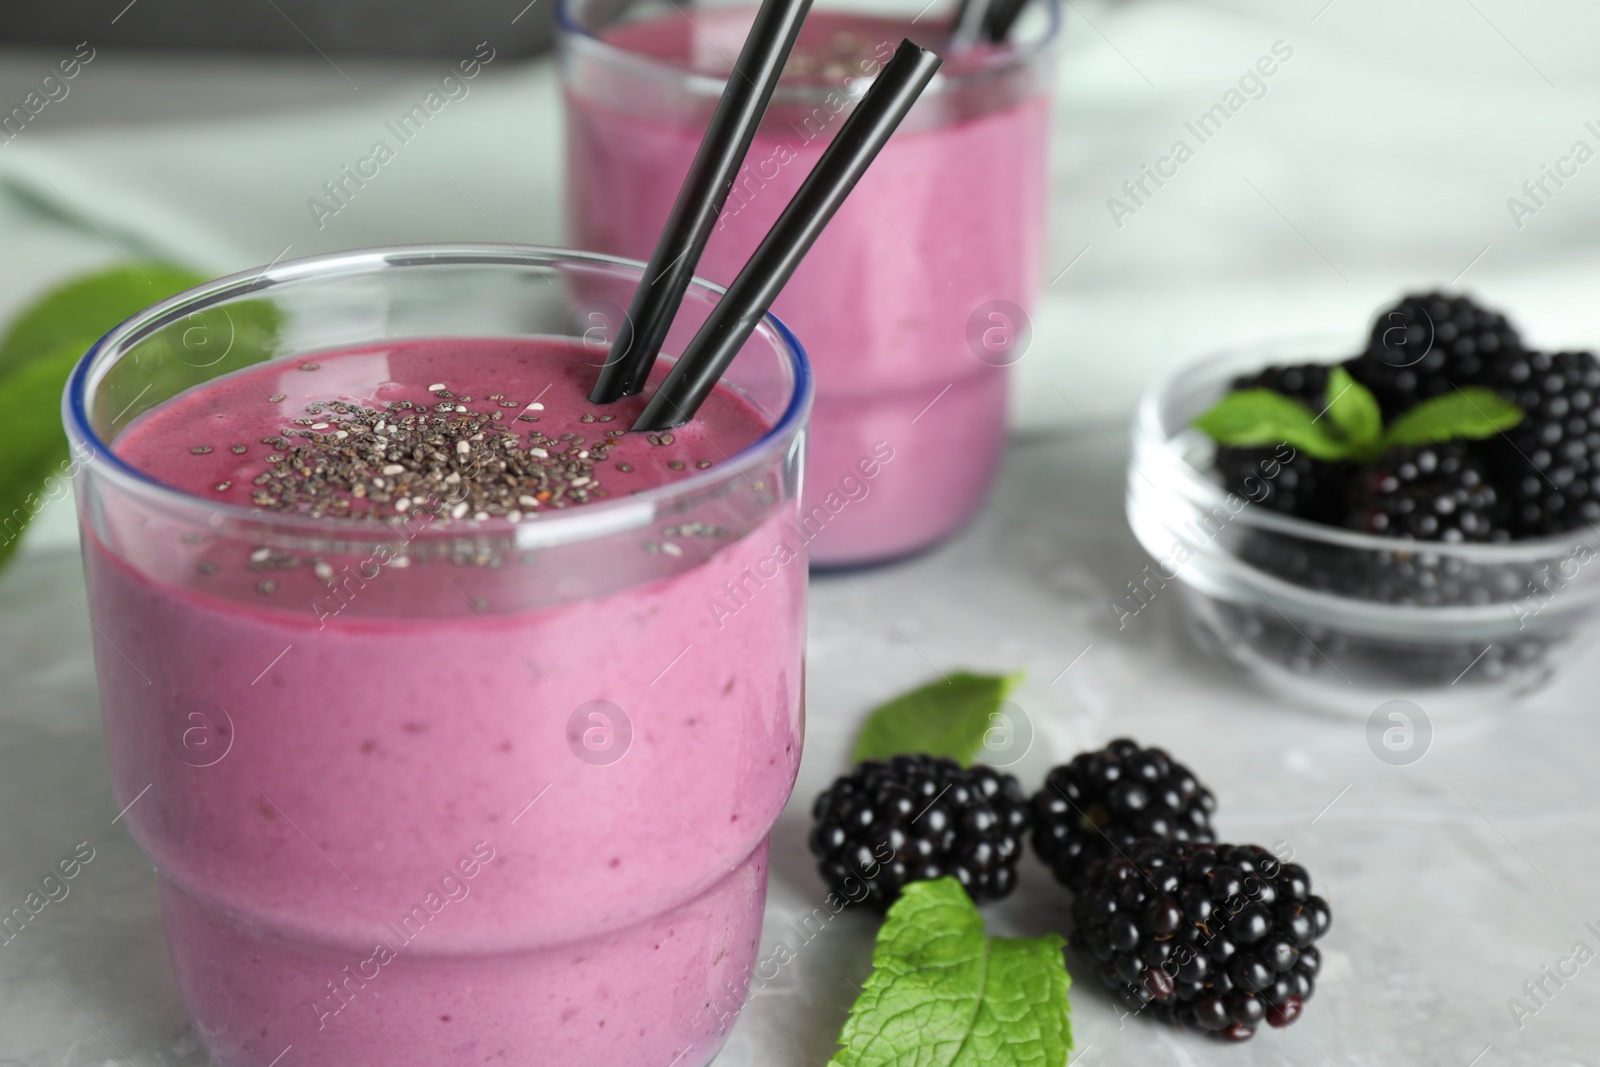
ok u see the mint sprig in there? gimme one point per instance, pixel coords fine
(1471, 412)
(37, 354)
(948, 717)
(43, 344)
(943, 993)
(76, 314)
(1350, 426)
(1255, 417)
(33, 446)
(1353, 410)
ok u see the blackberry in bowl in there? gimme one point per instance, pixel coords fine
(1451, 567)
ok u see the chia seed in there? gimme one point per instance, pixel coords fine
(444, 462)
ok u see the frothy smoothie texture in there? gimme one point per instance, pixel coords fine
(467, 799)
(896, 301)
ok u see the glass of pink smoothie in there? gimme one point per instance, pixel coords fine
(453, 719)
(913, 302)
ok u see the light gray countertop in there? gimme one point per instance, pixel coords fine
(1453, 880)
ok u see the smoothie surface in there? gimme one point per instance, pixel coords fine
(492, 427)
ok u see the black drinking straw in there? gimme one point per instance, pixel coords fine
(842, 163)
(1000, 17)
(705, 189)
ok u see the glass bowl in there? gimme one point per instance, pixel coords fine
(1333, 617)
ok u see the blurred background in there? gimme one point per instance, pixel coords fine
(347, 27)
(1383, 155)
(1389, 152)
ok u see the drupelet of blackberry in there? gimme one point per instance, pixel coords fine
(1305, 382)
(917, 818)
(1548, 465)
(1216, 937)
(1435, 492)
(1426, 345)
(1306, 488)
(1101, 803)
(1299, 486)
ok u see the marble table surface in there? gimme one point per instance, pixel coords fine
(1454, 879)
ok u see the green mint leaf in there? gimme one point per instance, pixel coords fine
(78, 313)
(33, 445)
(194, 349)
(1255, 417)
(39, 350)
(944, 994)
(943, 718)
(1353, 410)
(1471, 412)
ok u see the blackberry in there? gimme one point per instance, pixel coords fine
(1306, 488)
(1426, 345)
(1301, 486)
(1305, 382)
(1102, 802)
(1216, 937)
(1549, 464)
(1437, 492)
(916, 818)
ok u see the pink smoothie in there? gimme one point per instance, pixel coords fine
(391, 826)
(948, 220)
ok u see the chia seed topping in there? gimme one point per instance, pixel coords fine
(453, 464)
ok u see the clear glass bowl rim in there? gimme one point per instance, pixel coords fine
(999, 63)
(571, 524)
(1193, 484)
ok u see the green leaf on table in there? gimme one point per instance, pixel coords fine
(942, 993)
(196, 348)
(948, 717)
(1354, 412)
(37, 354)
(1255, 417)
(33, 445)
(1471, 412)
(79, 313)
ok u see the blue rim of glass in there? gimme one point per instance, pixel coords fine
(373, 261)
(1001, 61)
